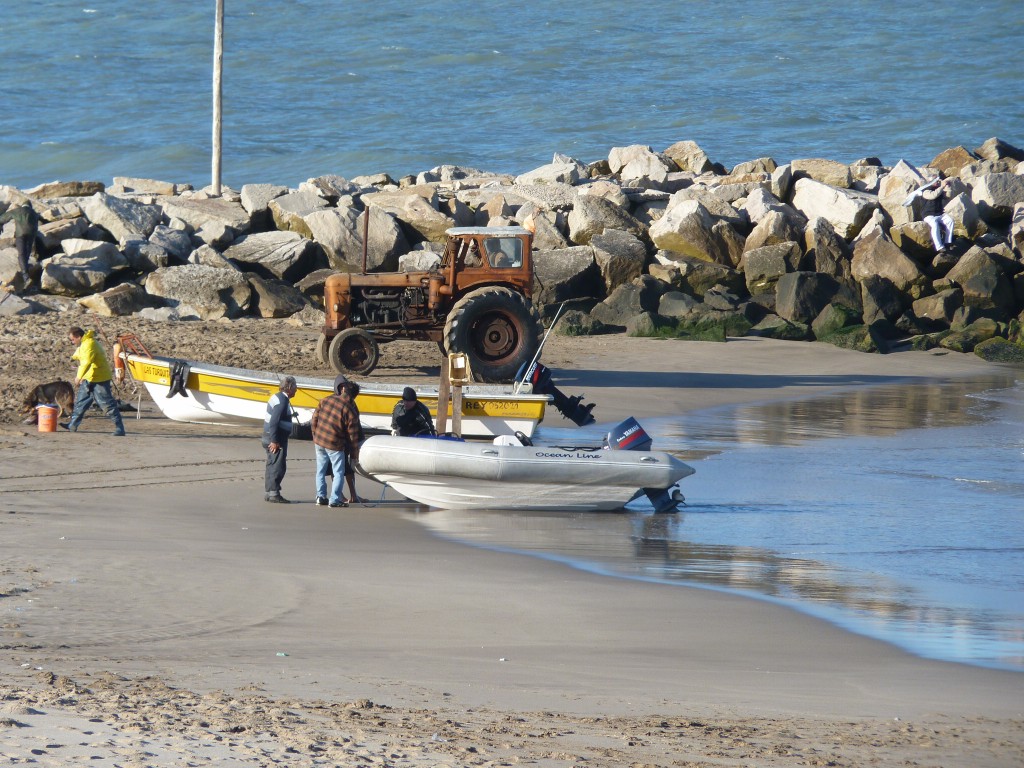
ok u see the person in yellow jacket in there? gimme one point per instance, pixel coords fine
(92, 381)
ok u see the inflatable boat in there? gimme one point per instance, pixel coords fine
(455, 474)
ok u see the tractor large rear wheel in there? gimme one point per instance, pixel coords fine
(354, 351)
(496, 329)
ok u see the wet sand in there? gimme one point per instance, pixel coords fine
(157, 612)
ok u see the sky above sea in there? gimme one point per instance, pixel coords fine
(94, 90)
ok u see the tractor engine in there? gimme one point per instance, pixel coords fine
(386, 306)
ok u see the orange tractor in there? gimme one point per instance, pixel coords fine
(477, 301)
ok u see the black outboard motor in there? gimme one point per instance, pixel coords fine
(571, 407)
(630, 436)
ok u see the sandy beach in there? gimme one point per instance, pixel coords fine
(156, 612)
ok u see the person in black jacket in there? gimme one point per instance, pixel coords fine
(277, 428)
(26, 227)
(411, 418)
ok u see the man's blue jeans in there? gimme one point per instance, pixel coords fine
(100, 392)
(335, 461)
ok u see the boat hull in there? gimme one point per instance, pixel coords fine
(460, 475)
(235, 396)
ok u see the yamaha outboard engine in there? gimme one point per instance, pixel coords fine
(571, 407)
(630, 436)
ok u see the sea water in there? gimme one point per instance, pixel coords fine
(93, 90)
(895, 511)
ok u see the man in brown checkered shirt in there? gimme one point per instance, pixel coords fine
(335, 433)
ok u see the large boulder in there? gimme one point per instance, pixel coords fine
(996, 194)
(876, 254)
(628, 301)
(213, 293)
(825, 251)
(689, 229)
(561, 170)
(211, 214)
(775, 227)
(688, 156)
(801, 296)
(53, 233)
(284, 255)
(846, 210)
(939, 308)
(620, 256)
(694, 276)
(829, 172)
(984, 284)
(564, 274)
(122, 218)
(119, 301)
(83, 268)
(289, 211)
(276, 298)
(762, 267)
(417, 208)
(593, 215)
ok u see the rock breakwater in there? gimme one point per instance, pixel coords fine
(650, 242)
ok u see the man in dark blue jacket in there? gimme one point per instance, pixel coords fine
(277, 428)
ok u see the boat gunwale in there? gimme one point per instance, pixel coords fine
(471, 392)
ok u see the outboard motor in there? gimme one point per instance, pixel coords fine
(572, 408)
(630, 436)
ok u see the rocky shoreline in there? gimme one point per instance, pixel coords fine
(653, 243)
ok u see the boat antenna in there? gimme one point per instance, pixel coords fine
(519, 384)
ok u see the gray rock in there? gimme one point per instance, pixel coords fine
(996, 194)
(877, 255)
(628, 301)
(122, 218)
(829, 172)
(999, 350)
(775, 227)
(832, 319)
(275, 298)
(144, 256)
(846, 210)
(12, 304)
(825, 251)
(284, 255)
(415, 207)
(620, 256)
(561, 170)
(984, 283)
(198, 212)
(688, 156)
(694, 276)
(939, 307)
(53, 233)
(175, 242)
(564, 274)
(593, 215)
(145, 186)
(119, 301)
(56, 189)
(212, 292)
(762, 267)
(881, 300)
(800, 296)
(774, 327)
(210, 257)
(676, 304)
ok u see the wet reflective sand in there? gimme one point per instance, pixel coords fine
(896, 511)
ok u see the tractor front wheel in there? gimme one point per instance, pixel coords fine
(353, 351)
(496, 329)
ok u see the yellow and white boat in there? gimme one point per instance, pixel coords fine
(215, 394)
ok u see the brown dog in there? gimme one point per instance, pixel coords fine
(60, 393)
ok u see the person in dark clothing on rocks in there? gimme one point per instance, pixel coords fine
(934, 213)
(277, 428)
(26, 227)
(410, 417)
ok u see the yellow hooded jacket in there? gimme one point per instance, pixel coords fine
(92, 362)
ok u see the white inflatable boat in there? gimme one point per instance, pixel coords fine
(455, 474)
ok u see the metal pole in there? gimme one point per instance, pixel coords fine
(218, 61)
